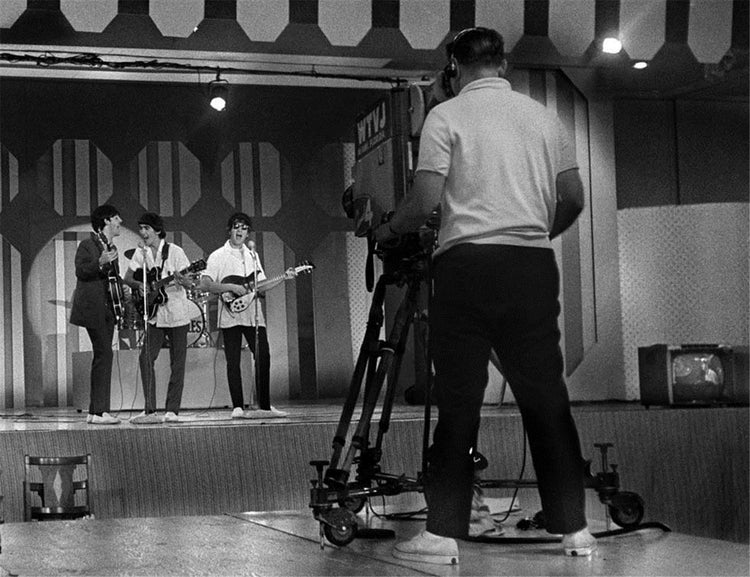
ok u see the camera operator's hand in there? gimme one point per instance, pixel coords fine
(384, 233)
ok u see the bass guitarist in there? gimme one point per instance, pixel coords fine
(97, 305)
(234, 260)
(169, 319)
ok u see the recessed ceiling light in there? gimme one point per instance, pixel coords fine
(611, 45)
(640, 65)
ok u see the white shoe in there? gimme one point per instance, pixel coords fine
(147, 419)
(579, 544)
(238, 413)
(428, 548)
(275, 413)
(105, 419)
(89, 418)
(171, 417)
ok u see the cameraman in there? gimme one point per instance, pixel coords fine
(505, 175)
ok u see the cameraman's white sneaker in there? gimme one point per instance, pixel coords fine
(579, 544)
(428, 548)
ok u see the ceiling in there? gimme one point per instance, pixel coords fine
(694, 49)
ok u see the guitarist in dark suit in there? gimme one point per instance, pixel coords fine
(232, 270)
(169, 315)
(95, 305)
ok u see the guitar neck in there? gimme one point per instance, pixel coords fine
(157, 284)
(264, 285)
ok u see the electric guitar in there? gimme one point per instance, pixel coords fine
(155, 287)
(237, 304)
(114, 284)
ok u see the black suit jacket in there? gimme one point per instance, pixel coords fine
(90, 306)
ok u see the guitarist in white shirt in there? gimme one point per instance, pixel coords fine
(232, 271)
(171, 318)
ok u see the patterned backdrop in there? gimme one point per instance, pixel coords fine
(280, 152)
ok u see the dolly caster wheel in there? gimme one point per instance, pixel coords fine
(353, 503)
(626, 509)
(340, 526)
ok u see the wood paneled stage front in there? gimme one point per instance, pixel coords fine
(690, 465)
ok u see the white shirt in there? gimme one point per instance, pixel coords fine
(176, 311)
(244, 263)
(500, 152)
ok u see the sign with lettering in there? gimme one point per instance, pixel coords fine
(372, 128)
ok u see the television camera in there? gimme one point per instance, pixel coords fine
(386, 144)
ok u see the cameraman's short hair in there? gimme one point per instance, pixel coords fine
(477, 46)
(102, 213)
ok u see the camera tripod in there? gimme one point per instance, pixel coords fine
(335, 499)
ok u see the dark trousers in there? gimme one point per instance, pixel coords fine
(506, 298)
(101, 366)
(152, 346)
(232, 351)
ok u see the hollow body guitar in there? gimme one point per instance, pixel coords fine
(236, 304)
(114, 284)
(155, 287)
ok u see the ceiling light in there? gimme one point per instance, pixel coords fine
(217, 93)
(611, 45)
(640, 65)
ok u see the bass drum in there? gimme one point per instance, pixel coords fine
(198, 336)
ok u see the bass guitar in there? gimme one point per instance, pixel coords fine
(155, 287)
(237, 304)
(114, 284)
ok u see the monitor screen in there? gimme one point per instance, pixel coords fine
(698, 375)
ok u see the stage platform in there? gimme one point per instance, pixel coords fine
(286, 543)
(690, 466)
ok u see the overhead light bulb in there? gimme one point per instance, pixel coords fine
(217, 93)
(611, 45)
(640, 65)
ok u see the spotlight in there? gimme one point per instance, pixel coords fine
(640, 65)
(611, 45)
(217, 93)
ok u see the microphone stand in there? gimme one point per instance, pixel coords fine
(144, 342)
(253, 397)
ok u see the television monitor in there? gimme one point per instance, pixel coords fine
(693, 374)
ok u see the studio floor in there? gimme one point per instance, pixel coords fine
(287, 543)
(211, 495)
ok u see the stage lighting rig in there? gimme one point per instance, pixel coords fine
(217, 93)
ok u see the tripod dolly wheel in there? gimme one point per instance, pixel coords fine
(340, 526)
(354, 504)
(626, 509)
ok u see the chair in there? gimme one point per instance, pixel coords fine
(62, 493)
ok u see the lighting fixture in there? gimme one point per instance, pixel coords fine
(611, 45)
(217, 93)
(640, 65)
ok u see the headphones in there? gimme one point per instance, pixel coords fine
(451, 68)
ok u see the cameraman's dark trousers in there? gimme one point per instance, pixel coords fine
(502, 297)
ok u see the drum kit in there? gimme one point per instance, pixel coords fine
(199, 335)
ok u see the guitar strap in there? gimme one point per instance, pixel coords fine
(164, 255)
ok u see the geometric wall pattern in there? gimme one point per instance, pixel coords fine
(280, 156)
(684, 278)
(644, 25)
